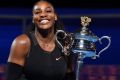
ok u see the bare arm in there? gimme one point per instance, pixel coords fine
(18, 52)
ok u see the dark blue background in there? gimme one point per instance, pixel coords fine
(101, 26)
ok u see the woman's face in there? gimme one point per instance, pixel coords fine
(44, 15)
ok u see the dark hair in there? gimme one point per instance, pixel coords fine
(50, 2)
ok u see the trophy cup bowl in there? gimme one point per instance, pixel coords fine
(84, 41)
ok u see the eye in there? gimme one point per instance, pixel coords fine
(49, 11)
(37, 12)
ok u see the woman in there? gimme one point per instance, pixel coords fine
(36, 54)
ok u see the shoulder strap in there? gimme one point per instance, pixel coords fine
(33, 41)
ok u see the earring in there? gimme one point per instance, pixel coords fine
(55, 18)
(32, 21)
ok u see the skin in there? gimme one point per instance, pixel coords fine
(44, 18)
(44, 11)
(19, 50)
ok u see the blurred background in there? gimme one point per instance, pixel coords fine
(17, 14)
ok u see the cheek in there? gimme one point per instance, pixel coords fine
(53, 16)
(35, 18)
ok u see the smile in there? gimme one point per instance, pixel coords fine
(44, 21)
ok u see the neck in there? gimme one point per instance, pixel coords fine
(45, 35)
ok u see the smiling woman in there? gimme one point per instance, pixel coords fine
(36, 54)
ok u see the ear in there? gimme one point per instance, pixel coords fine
(32, 20)
(55, 17)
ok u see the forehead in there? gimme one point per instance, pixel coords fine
(42, 5)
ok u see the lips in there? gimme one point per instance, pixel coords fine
(44, 21)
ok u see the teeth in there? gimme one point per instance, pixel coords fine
(44, 21)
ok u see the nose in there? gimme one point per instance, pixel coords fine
(43, 14)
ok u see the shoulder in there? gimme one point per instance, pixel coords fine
(19, 49)
(21, 41)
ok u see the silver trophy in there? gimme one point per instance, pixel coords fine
(82, 43)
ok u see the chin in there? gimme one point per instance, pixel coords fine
(44, 27)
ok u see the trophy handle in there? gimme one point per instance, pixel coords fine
(60, 31)
(107, 37)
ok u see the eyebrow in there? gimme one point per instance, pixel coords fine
(40, 8)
